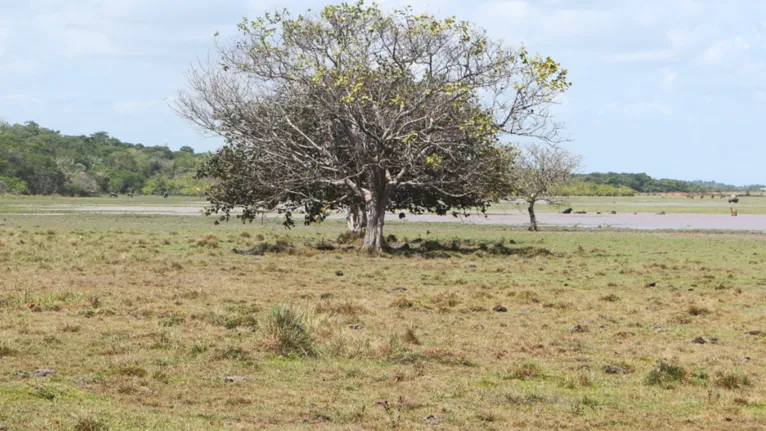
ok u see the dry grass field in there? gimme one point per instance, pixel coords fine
(152, 322)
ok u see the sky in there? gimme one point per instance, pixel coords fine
(673, 88)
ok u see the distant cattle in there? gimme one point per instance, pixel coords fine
(130, 195)
(567, 211)
(734, 199)
(165, 195)
(112, 195)
(661, 213)
(580, 212)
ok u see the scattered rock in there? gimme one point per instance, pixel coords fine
(431, 419)
(611, 369)
(699, 340)
(430, 378)
(580, 212)
(661, 213)
(580, 359)
(713, 340)
(754, 332)
(44, 372)
(472, 266)
(398, 289)
(356, 326)
(499, 309)
(478, 326)
(22, 374)
(652, 284)
(578, 329)
(339, 273)
(233, 379)
(657, 328)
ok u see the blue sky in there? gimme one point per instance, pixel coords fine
(673, 88)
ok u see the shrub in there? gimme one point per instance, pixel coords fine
(732, 381)
(665, 374)
(289, 330)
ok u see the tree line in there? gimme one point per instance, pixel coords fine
(39, 161)
(625, 184)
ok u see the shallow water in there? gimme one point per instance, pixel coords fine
(641, 220)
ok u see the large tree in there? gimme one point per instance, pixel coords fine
(537, 172)
(365, 110)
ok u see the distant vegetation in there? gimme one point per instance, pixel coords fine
(39, 161)
(625, 184)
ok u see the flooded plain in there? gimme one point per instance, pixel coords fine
(516, 217)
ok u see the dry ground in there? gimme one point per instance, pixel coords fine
(142, 317)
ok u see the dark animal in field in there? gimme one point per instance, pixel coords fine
(112, 195)
(402, 216)
(580, 212)
(734, 200)
(567, 211)
(165, 195)
(598, 213)
(712, 196)
(613, 212)
(733, 212)
(130, 195)
(661, 213)
(251, 252)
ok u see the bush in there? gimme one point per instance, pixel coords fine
(13, 185)
(289, 330)
(665, 374)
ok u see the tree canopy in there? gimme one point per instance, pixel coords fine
(354, 107)
(40, 161)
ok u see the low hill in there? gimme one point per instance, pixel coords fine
(40, 161)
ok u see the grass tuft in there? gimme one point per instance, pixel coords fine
(290, 332)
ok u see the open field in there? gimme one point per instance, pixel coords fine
(142, 317)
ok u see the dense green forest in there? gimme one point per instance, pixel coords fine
(39, 161)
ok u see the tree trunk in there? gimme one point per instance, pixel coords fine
(376, 213)
(376, 201)
(357, 218)
(532, 216)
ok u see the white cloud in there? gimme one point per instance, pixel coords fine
(17, 65)
(668, 79)
(676, 39)
(723, 51)
(78, 43)
(130, 107)
(640, 109)
(20, 99)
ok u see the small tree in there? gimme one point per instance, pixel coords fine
(358, 109)
(538, 171)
